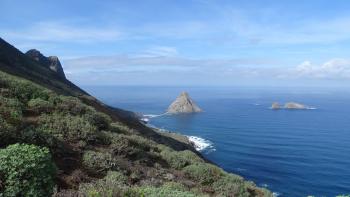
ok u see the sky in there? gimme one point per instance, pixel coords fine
(187, 42)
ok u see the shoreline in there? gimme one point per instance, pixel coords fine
(198, 143)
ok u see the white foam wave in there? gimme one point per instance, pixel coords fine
(153, 115)
(145, 120)
(201, 144)
(311, 108)
(276, 194)
(264, 185)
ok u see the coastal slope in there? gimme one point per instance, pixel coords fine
(55, 139)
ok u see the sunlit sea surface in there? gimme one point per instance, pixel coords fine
(291, 152)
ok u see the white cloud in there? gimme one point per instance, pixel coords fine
(333, 69)
(61, 32)
(159, 51)
(161, 59)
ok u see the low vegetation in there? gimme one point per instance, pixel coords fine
(57, 144)
(26, 170)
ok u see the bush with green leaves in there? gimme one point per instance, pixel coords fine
(4, 126)
(204, 173)
(71, 105)
(180, 159)
(27, 170)
(99, 162)
(25, 90)
(171, 190)
(74, 106)
(11, 110)
(133, 147)
(113, 184)
(119, 143)
(7, 132)
(117, 127)
(67, 127)
(230, 184)
(98, 119)
(40, 105)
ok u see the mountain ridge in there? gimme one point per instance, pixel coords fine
(51, 62)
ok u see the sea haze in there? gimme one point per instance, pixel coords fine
(291, 152)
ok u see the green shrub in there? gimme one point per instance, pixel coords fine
(4, 126)
(98, 119)
(180, 159)
(98, 162)
(175, 186)
(230, 184)
(121, 143)
(39, 105)
(104, 138)
(165, 190)
(133, 147)
(11, 110)
(25, 90)
(204, 173)
(113, 184)
(72, 105)
(67, 127)
(140, 142)
(117, 127)
(7, 132)
(27, 170)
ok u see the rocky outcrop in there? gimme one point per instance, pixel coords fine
(183, 104)
(52, 62)
(293, 105)
(275, 105)
(289, 105)
(55, 65)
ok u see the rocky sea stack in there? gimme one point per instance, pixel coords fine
(289, 105)
(275, 105)
(183, 104)
(293, 105)
(51, 62)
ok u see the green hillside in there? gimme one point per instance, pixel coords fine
(55, 139)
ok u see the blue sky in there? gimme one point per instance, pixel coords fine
(183, 42)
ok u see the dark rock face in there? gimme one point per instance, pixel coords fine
(55, 65)
(52, 62)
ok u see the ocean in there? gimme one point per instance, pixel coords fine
(291, 152)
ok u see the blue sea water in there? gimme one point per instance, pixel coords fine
(291, 152)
